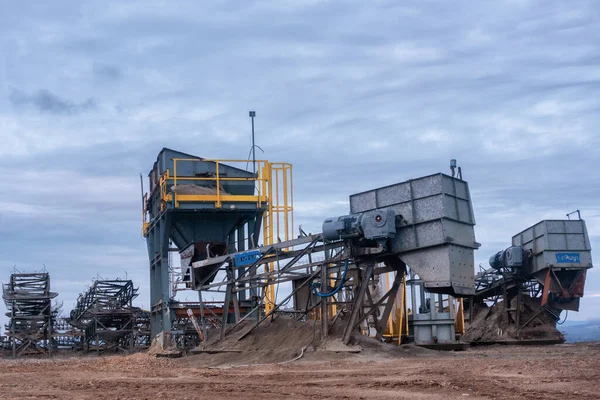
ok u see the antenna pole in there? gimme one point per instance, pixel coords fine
(252, 115)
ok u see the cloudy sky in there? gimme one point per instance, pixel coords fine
(355, 94)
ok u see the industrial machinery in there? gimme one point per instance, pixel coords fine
(206, 208)
(397, 266)
(434, 229)
(426, 223)
(547, 263)
(377, 226)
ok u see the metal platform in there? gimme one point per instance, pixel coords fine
(207, 208)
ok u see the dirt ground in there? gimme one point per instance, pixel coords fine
(496, 372)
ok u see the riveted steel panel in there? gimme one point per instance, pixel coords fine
(436, 238)
(556, 243)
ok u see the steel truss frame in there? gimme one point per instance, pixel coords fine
(66, 336)
(316, 268)
(28, 301)
(491, 285)
(106, 316)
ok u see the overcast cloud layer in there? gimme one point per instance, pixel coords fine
(355, 94)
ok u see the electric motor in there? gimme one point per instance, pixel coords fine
(509, 258)
(372, 225)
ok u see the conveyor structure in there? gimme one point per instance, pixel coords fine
(547, 261)
(397, 265)
(66, 336)
(105, 315)
(426, 223)
(28, 301)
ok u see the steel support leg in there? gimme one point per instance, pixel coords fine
(225, 317)
(324, 310)
(358, 303)
(392, 298)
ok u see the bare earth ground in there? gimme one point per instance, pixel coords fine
(497, 372)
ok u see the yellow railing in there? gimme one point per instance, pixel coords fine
(169, 180)
(278, 221)
(218, 197)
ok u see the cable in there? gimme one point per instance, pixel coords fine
(564, 320)
(337, 289)
(261, 365)
(250, 152)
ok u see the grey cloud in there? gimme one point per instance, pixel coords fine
(106, 72)
(355, 96)
(45, 101)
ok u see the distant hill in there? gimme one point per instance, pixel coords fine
(581, 331)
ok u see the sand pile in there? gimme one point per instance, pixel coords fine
(277, 340)
(493, 324)
(284, 340)
(271, 334)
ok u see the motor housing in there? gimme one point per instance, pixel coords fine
(512, 258)
(371, 225)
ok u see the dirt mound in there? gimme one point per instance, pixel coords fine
(271, 334)
(284, 340)
(493, 324)
(279, 340)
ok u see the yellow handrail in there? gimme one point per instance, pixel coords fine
(259, 197)
(279, 216)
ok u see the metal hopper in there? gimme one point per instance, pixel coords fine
(436, 238)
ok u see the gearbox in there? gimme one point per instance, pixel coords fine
(371, 225)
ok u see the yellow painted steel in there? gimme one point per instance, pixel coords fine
(332, 309)
(459, 319)
(397, 324)
(262, 182)
(209, 198)
(145, 223)
(402, 315)
(278, 220)
(390, 322)
(268, 235)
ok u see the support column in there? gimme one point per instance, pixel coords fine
(358, 303)
(202, 322)
(12, 328)
(227, 302)
(241, 246)
(391, 299)
(518, 311)
(324, 310)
